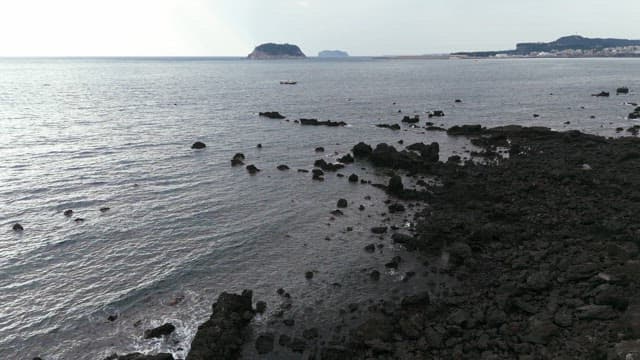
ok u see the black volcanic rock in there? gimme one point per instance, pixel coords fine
(315, 122)
(333, 54)
(272, 115)
(160, 331)
(222, 336)
(271, 51)
(198, 145)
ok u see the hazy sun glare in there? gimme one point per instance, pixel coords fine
(115, 27)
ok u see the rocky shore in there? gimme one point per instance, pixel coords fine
(538, 231)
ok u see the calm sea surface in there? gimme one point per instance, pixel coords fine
(183, 225)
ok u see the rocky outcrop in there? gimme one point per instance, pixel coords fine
(411, 120)
(315, 122)
(271, 51)
(222, 336)
(362, 150)
(389, 126)
(272, 115)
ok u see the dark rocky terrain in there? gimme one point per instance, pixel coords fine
(538, 233)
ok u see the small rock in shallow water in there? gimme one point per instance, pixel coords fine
(283, 167)
(379, 230)
(353, 178)
(198, 145)
(370, 248)
(160, 331)
(320, 149)
(308, 275)
(261, 306)
(104, 209)
(79, 220)
(375, 275)
(342, 203)
(68, 213)
(337, 213)
(18, 228)
(252, 169)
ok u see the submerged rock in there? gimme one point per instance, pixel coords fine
(222, 336)
(68, 213)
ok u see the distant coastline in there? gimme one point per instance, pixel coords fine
(574, 46)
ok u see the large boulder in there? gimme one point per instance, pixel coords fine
(429, 153)
(222, 336)
(362, 150)
(395, 184)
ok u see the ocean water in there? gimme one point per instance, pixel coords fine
(183, 225)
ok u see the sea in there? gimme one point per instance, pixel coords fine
(183, 225)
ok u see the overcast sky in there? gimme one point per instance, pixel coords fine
(361, 27)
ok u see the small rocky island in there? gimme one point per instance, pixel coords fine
(271, 51)
(333, 54)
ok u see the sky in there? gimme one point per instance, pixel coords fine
(361, 27)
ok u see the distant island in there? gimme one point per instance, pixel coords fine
(568, 46)
(333, 54)
(272, 51)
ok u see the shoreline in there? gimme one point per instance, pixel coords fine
(542, 244)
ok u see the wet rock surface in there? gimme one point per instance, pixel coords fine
(222, 336)
(543, 269)
(160, 331)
